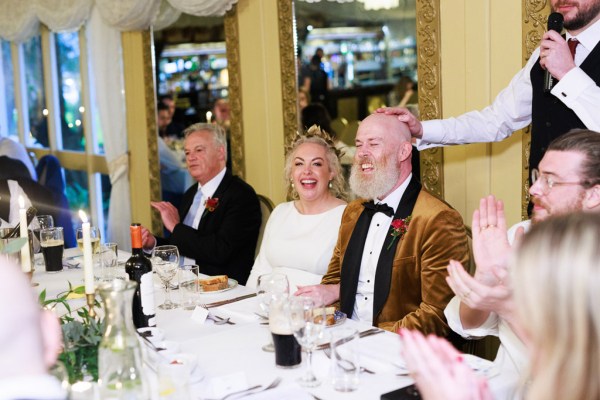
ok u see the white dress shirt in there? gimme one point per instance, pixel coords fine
(511, 110)
(378, 230)
(208, 190)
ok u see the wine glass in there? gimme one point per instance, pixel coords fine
(109, 256)
(269, 287)
(165, 262)
(44, 222)
(94, 239)
(307, 320)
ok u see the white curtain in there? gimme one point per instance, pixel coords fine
(108, 110)
(63, 15)
(166, 16)
(18, 20)
(203, 7)
(129, 15)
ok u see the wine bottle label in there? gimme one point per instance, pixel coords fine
(147, 294)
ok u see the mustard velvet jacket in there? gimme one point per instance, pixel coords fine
(419, 292)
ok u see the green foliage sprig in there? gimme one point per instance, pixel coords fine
(13, 246)
(81, 335)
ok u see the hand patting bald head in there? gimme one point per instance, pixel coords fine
(382, 160)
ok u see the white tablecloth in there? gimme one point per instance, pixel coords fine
(223, 350)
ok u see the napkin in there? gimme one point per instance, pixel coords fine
(240, 311)
(236, 314)
(381, 354)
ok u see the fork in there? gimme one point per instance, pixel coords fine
(220, 320)
(251, 390)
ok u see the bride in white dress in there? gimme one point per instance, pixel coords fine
(300, 235)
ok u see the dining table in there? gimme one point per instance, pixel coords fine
(229, 357)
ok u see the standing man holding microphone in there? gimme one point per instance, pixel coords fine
(572, 100)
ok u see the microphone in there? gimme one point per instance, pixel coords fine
(555, 23)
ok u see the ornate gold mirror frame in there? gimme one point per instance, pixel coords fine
(232, 45)
(535, 14)
(430, 89)
(429, 70)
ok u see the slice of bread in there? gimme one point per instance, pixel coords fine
(329, 315)
(217, 282)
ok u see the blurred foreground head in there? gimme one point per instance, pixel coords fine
(556, 276)
(29, 338)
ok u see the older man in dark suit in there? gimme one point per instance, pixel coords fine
(389, 265)
(218, 222)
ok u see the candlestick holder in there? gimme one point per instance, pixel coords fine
(91, 300)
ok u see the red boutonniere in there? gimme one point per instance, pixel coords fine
(399, 228)
(211, 204)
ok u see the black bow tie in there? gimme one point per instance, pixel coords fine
(381, 207)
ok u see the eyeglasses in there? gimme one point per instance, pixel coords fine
(546, 183)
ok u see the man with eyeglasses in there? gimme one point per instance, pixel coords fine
(568, 180)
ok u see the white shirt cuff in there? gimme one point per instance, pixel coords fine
(572, 85)
(452, 313)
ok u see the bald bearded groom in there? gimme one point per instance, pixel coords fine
(389, 265)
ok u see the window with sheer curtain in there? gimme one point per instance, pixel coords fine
(45, 72)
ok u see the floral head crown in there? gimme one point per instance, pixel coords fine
(312, 133)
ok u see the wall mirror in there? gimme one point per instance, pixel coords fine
(374, 53)
(192, 80)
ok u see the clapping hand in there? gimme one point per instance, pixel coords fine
(490, 241)
(148, 240)
(168, 214)
(489, 289)
(477, 295)
(439, 369)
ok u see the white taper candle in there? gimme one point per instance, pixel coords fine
(88, 262)
(24, 233)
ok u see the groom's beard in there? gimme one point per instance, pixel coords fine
(376, 184)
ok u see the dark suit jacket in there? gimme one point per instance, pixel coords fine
(225, 240)
(419, 292)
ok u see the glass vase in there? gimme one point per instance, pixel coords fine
(120, 370)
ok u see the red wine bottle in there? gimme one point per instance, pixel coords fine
(139, 269)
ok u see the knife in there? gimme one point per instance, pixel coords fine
(368, 332)
(223, 302)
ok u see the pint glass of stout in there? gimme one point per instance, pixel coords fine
(287, 349)
(53, 243)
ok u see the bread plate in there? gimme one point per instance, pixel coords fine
(339, 318)
(231, 283)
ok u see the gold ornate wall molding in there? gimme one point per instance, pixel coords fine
(153, 161)
(430, 90)
(235, 92)
(289, 98)
(535, 15)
